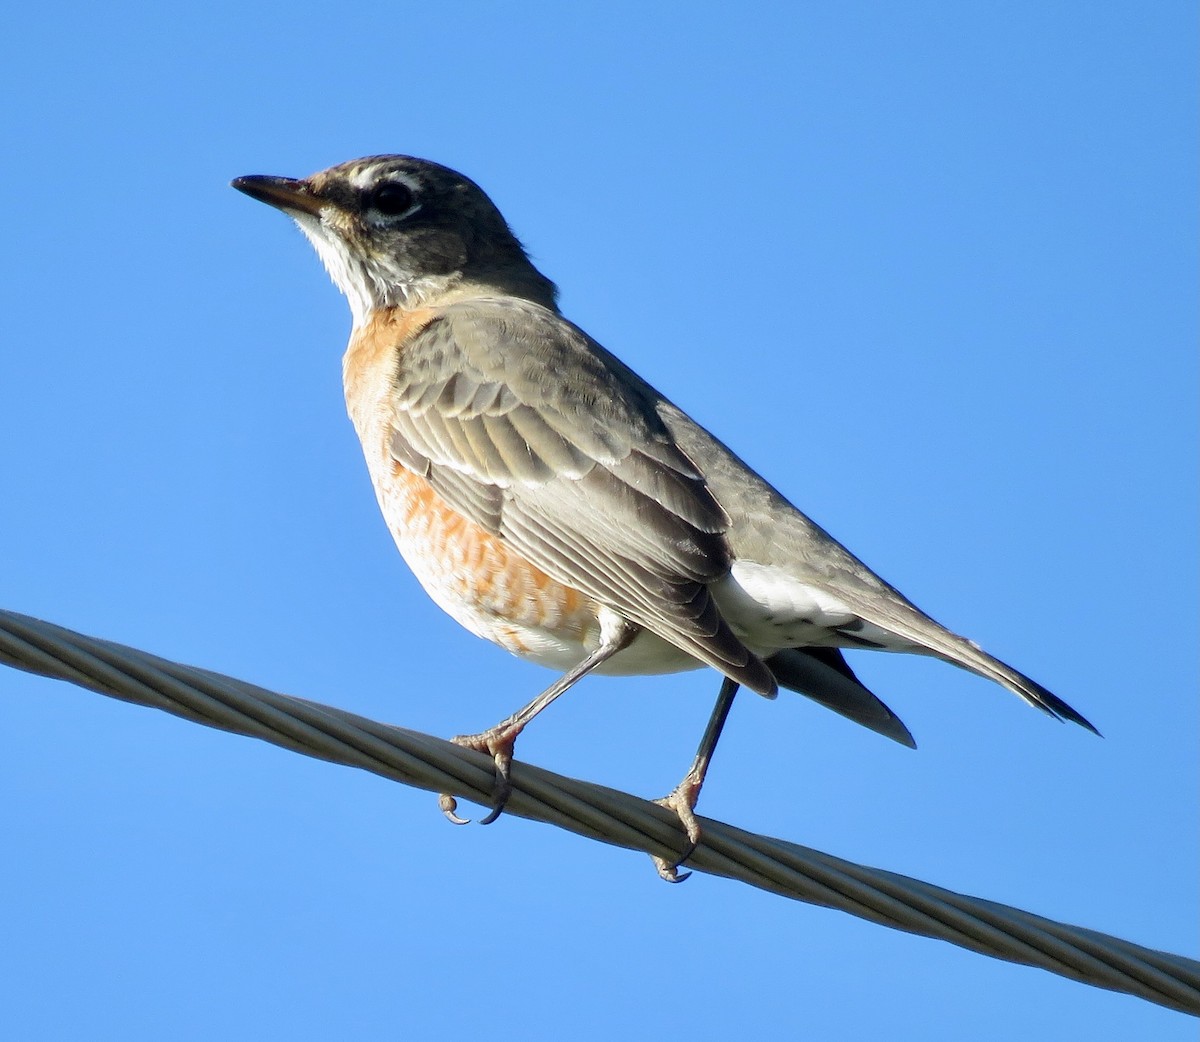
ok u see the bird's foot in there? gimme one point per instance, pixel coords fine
(682, 802)
(498, 742)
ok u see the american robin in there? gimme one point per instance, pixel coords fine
(554, 503)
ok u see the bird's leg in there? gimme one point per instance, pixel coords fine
(683, 799)
(498, 741)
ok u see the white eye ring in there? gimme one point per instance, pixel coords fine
(392, 200)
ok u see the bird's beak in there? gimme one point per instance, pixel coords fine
(287, 193)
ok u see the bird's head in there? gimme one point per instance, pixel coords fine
(394, 231)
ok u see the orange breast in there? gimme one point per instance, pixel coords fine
(474, 574)
(471, 573)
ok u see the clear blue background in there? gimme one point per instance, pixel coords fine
(930, 267)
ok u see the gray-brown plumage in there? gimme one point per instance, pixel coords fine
(555, 503)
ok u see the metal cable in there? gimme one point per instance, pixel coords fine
(600, 813)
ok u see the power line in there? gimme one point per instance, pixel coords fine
(600, 813)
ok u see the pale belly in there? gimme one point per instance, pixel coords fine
(476, 578)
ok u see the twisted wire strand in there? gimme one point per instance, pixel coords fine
(600, 813)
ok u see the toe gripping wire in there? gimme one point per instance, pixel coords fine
(783, 868)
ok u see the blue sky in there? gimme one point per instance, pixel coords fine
(929, 267)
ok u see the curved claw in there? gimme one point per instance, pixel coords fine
(497, 743)
(449, 805)
(502, 788)
(682, 804)
(669, 873)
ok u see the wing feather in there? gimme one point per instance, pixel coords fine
(518, 460)
(490, 460)
(531, 429)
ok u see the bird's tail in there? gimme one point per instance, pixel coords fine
(911, 624)
(824, 676)
(1019, 684)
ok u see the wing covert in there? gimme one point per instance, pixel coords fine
(527, 426)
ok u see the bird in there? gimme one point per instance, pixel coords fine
(553, 502)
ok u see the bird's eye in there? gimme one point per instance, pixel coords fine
(392, 199)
